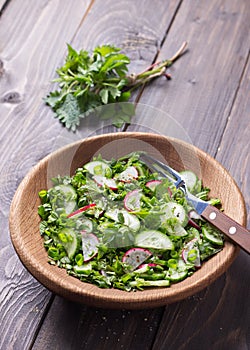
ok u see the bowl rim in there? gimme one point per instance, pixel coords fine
(58, 281)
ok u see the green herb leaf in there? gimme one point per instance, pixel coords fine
(89, 80)
(53, 99)
(104, 96)
(69, 112)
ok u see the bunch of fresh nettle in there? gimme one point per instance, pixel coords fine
(88, 81)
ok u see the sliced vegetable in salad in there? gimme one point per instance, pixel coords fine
(117, 225)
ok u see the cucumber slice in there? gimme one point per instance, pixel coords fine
(175, 210)
(90, 244)
(98, 167)
(177, 230)
(191, 179)
(85, 269)
(153, 239)
(130, 220)
(142, 283)
(212, 235)
(69, 241)
(191, 254)
(177, 276)
(63, 197)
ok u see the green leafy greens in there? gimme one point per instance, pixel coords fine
(117, 225)
(88, 81)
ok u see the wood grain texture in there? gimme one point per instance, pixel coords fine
(225, 323)
(93, 328)
(205, 79)
(216, 317)
(202, 93)
(138, 28)
(32, 37)
(234, 148)
(23, 303)
(2, 4)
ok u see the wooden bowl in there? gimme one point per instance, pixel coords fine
(24, 220)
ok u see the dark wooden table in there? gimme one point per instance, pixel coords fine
(209, 94)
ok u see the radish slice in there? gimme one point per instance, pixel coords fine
(128, 174)
(136, 256)
(81, 210)
(170, 192)
(132, 200)
(191, 253)
(89, 245)
(194, 224)
(152, 184)
(143, 266)
(192, 214)
(104, 181)
(86, 225)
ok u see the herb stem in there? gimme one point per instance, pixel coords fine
(179, 52)
(154, 70)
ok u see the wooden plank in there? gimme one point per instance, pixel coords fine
(214, 317)
(233, 152)
(29, 59)
(137, 27)
(217, 315)
(2, 4)
(72, 326)
(200, 96)
(205, 79)
(32, 37)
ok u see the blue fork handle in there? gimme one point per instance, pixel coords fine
(236, 232)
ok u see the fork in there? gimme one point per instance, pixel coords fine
(233, 230)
